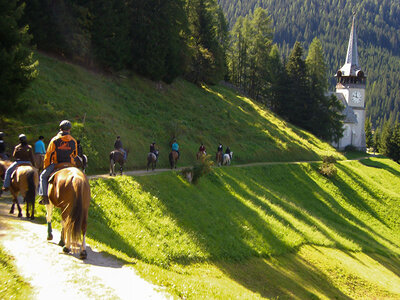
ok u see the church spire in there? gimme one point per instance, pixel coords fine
(352, 54)
(351, 67)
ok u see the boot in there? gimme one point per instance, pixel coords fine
(44, 200)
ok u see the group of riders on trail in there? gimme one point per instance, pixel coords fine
(63, 148)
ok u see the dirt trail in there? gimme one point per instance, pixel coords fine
(53, 274)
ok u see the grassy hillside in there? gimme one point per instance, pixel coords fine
(266, 231)
(141, 111)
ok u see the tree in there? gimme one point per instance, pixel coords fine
(206, 41)
(298, 108)
(368, 134)
(17, 66)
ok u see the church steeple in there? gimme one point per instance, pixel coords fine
(351, 72)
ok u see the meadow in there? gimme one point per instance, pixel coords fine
(276, 231)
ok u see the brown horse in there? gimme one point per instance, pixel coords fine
(151, 160)
(24, 183)
(39, 160)
(200, 154)
(218, 158)
(173, 158)
(117, 156)
(69, 190)
(4, 164)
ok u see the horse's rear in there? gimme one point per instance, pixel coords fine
(173, 159)
(116, 156)
(151, 160)
(24, 183)
(69, 190)
(218, 158)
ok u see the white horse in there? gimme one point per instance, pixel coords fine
(226, 160)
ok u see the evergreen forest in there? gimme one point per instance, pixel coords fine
(378, 28)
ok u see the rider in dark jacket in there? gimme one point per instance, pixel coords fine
(228, 151)
(118, 146)
(153, 149)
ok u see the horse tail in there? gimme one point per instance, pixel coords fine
(31, 193)
(73, 222)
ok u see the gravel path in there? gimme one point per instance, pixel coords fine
(54, 275)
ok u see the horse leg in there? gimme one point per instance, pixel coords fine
(121, 170)
(12, 208)
(67, 239)
(62, 237)
(83, 254)
(49, 215)
(27, 210)
(19, 210)
(111, 167)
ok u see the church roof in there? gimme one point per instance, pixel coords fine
(351, 67)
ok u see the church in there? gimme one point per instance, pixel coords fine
(350, 90)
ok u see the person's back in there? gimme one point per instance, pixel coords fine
(118, 143)
(62, 149)
(220, 148)
(23, 152)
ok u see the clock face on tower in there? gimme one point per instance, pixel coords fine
(356, 97)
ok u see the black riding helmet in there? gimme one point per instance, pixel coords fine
(22, 138)
(65, 125)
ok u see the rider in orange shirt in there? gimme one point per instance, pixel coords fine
(62, 149)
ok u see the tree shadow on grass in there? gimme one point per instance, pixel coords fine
(377, 164)
(290, 278)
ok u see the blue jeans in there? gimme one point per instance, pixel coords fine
(123, 151)
(44, 180)
(10, 170)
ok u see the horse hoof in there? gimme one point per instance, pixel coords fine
(12, 211)
(83, 254)
(50, 237)
(20, 215)
(66, 250)
(61, 243)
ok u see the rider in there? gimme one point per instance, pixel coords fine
(2, 147)
(153, 149)
(62, 149)
(23, 154)
(202, 148)
(220, 148)
(118, 146)
(175, 147)
(228, 151)
(40, 150)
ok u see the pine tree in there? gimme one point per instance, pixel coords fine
(368, 134)
(17, 66)
(298, 108)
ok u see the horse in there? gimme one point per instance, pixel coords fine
(4, 164)
(227, 159)
(24, 183)
(39, 161)
(151, 160)
(173, 158)
(69, 190)
(200, 154)
(81, 162)
(218, 158)
(117, 156)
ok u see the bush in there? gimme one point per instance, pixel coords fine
(328, 170)
(201, 167)
(329, 159)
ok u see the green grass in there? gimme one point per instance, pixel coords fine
(265, 231)
(13, 286)
(103, 107)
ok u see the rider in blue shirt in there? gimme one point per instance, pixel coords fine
(175, 147)
(40, 148)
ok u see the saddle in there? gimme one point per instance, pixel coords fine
(59, 167)
(15, 171)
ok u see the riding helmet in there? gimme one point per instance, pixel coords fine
(65, 125)
(22, 137)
